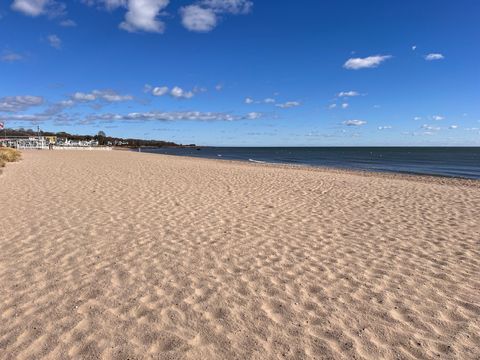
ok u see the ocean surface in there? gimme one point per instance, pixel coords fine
(463, 162)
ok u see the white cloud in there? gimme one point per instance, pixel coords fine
(365, 63)
(414, 47)
(288, 104)
(348, 94)
(386, 127)
(354, 122)
(344, 105)
(159, 90)
(203, 15)
(219, 87)
(196, 18)
(253, 115)
(142, 15)
(433, 56)
(416, 118)
(80, 96)
(269, 101)
(19, 103)
(453, 127)
(68, 23)
(249, 100)
(332, 106)
(179, 93)
(30, 7)
(438, 117)
(54, 41)
(39, 7)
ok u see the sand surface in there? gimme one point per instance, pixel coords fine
(119, 255)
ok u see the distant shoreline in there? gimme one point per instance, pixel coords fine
(438, 179)
(343, 169)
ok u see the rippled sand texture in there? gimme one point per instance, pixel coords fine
(119, 255)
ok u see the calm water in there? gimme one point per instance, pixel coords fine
(442, 161)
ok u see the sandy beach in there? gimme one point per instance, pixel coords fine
(123, 255)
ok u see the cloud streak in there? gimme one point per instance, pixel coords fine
(434, 56)
(354, 122)
(288, 104)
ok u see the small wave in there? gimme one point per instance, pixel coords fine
(258, 161)
(219, 155)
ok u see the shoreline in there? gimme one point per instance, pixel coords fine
(447, 180)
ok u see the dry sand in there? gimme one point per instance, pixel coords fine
(119, 255)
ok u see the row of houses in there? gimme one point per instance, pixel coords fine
(45, 142)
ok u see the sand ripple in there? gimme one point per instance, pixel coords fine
(129, 256)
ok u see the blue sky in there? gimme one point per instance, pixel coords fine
(239, 72)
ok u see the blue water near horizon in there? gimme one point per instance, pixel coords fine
(461, 162)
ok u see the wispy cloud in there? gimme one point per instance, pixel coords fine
(350, 93)
(19, 103)
(365, 63)
(438, 117)
(172, 116)
(106, 95)
(160, 90)
(354, 122)
(288, 104)
(434, 56)
(229, 6)
(54, 41)
(33, 119)
(385, 127)
(9, 56)
(248, 100)
(139, 117)
(430, 127)
(36, 8)
(68, 23)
